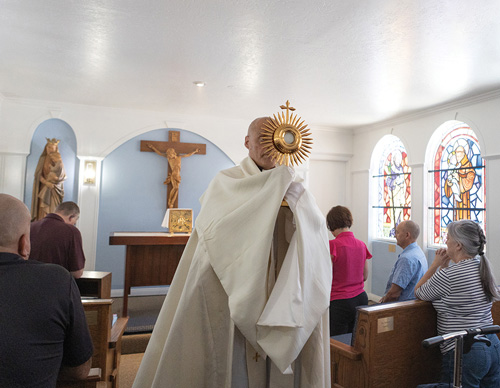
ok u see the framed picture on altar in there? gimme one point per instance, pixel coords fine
(180, 220)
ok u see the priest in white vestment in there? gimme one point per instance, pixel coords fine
(248, 305)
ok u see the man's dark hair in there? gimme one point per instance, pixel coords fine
(68, 209)
(339, 217)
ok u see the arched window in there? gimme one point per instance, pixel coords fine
(391, 181)
(457, 176)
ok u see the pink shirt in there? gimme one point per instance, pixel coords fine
(348, 260)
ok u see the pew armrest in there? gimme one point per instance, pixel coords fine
(117, 331)
(344, 350)
(94, 374)
(92, 380)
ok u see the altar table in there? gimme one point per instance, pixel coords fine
(151, 258)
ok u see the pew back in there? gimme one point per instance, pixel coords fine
(98, 314)
(105, 337)
(387, 350)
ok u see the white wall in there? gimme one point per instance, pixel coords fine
(326, 182)
(337, 173)
(101, 130)
(12, 167)
(329, 166)
(482, 113)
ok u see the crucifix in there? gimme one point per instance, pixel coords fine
(173, 150)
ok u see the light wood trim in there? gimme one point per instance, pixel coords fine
(345, 350)
(94, 373)
(96, 302)
(148, 240)
(117, 331)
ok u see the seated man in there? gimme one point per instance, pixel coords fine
(44, 333)
(410, 266)
(55, 239)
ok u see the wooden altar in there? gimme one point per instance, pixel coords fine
(150, 260)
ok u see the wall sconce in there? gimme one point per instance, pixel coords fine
(89, 174)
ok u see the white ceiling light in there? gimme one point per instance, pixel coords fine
(200, 84)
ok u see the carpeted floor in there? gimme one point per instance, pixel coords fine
(133, 347)
(142, 311)
(135, 343)
(129, 364)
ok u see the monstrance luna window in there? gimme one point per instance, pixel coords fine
(458, 189)
(392, 182)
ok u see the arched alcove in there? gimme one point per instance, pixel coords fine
(133, 196)
(58, 129)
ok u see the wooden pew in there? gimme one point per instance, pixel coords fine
(387, 350)
(106, 338)
(107, 343)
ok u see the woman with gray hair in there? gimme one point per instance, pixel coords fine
(462, 294)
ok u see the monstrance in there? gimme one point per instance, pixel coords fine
(286, 138)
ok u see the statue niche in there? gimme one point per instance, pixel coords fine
(48, 189)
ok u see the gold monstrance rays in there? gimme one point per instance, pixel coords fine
(286, 140)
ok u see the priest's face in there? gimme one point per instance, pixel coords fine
(255, 149)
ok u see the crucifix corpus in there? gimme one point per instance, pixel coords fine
(174, 151)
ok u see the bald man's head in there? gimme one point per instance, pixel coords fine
(255, 149)
(255, 126)
(407, 232)
(14, 224)
(413, 228)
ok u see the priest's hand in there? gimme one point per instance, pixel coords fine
(293, 194)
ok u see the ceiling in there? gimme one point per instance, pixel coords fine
(341, 63)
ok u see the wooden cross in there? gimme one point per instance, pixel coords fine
(256, 357)
(181, 150)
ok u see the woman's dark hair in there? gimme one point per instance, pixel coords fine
(339, 217)
(471, 236)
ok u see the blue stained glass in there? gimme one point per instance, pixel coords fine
(461, 186)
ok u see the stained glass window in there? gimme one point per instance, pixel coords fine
(458, 189)
(392, 180)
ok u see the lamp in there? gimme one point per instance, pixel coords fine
(89, 172)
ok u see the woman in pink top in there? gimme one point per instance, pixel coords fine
(350, 270)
